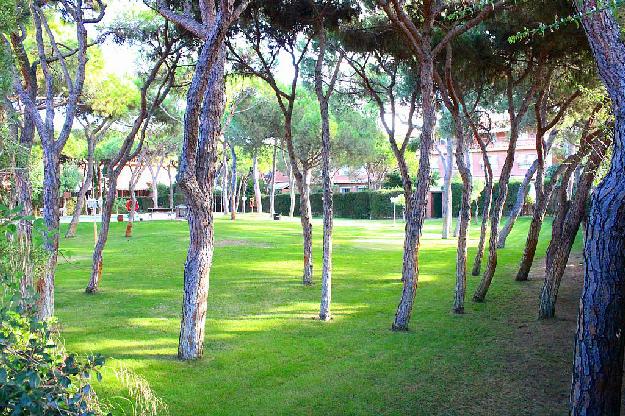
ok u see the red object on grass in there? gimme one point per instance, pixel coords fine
(129, 204)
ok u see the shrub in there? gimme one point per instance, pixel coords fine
(37, 376)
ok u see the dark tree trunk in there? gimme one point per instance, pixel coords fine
(565, 228)
(540, 208)
(71, 231)
(598, 354)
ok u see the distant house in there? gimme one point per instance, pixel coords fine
(497, 147)
(343, 181)
(143, 188)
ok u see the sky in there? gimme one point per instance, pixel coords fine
(121, 59)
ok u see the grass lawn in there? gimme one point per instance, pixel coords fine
(264, 352)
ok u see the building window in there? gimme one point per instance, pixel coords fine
(527, 160)
(345, 190)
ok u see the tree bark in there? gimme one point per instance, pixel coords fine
(522, 194)
(197, 184)
(225, 183)
(80, 202)
(233, 181)
(326, 147)
(51, 185)
(416, 201)
(564, 230)
(306, 220)
(504, 179)
(171, 188)
(488, 197)
(543, 196)
(447, 210)
(107, 209)
(272, 191)
(257, 194)
(463, 220)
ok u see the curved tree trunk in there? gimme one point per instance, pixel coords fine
(522, 194)
(107, 210)
(533, 235)
(518, 205)
(197, 181)
(496, 211)
(565, 229)
(71, 231)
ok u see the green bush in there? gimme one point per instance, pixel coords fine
(37, 376)
(377, 204)
(356, 205)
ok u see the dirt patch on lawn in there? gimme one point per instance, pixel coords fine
(539, 357)
(246, 243)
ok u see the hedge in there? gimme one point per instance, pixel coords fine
(376, 204)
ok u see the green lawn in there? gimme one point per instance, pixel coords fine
(264, 352)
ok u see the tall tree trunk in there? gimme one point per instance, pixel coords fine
(306, 220)
(258, 198)
(463, 220)
(518, 205)
(447, 210)
(51, 185)
(543, 196)
(131, 211)
(565, 228)
(86, 185)
(488, 197)
(197, 184)
(225, 183)
(522, 194)
(540, 208)
(272, 191)
(171, 188)
(107, 210)
(326, 147)
(504, 179)
(233, 181)
(291, 185)
(416, 201)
